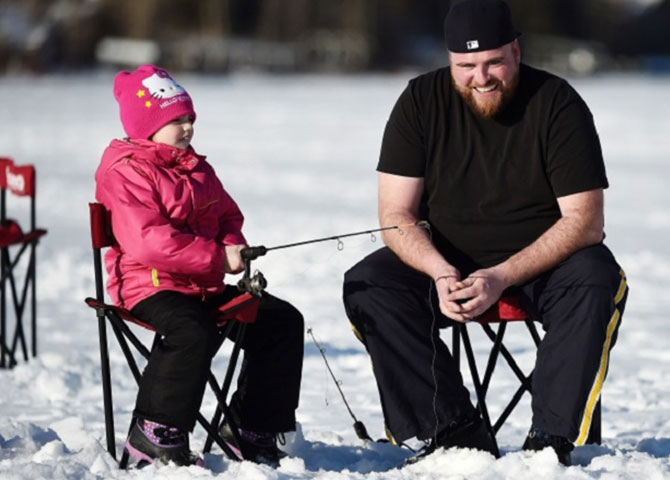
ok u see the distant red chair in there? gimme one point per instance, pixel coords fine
(20, 181)
(240, 311)
(506, 310)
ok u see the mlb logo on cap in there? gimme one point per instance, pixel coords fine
(487, 21)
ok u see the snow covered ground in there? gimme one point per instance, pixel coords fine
(298, 153)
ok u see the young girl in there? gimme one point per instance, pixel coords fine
(178, 232)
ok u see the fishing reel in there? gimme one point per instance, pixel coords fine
(256, 283)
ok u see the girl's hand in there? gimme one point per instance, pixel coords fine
(233, 262)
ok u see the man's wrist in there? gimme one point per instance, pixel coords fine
(444, 272)
(505, 273)
(445, 277)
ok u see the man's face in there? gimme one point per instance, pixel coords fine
(486, 80)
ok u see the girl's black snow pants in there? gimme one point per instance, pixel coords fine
(579, 304)
(174, 380)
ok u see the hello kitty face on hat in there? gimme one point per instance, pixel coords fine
(162, 87)
(149, 99)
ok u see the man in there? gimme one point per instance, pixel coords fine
(504, 162)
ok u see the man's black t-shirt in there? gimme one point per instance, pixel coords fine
(491, 184)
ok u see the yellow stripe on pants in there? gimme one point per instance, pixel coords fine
(594, 395)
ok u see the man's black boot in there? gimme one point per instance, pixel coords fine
(471, 433)
(538, 439)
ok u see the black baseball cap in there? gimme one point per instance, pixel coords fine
(477, 25)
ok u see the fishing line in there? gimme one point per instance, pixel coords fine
(359, 427)
(434, 345)
(256, 285)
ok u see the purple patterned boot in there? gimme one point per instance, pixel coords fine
(253, 446)
(150, 441)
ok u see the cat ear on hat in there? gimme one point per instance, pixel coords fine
(119, 83)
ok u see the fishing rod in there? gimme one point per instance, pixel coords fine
(359, 427)
(256, 284)
(252, 253)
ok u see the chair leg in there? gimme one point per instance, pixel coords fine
(214, 434)
(19, 309)
(33, 300)
(481, 388)
(525, 380)
(222, 393)
(481, 394)
(6, 356)
(216, 419)
(4, 351)
(509, 408)
(493, 355)
(7, 268)
(456, 346)
(106, 387)
(509, 358)
(532, 329)
(122, 333)
(19, 336)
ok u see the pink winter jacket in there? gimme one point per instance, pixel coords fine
(171, 218)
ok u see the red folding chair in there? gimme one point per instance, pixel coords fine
(240, 311)
(20, 181)
(506, 310)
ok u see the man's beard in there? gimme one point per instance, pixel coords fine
(491, 107)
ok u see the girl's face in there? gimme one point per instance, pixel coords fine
(178, 133)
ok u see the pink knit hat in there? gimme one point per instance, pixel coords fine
(148, 99)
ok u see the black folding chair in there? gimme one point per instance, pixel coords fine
(20, 181)
(238, 312)
(504, 311)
